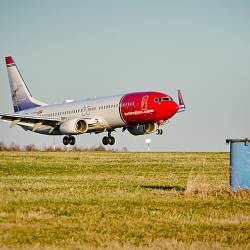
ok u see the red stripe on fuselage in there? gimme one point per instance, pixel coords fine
(141, 108)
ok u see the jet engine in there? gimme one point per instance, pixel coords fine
(73, 126)
(142, 129)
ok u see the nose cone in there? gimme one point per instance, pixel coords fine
(171, 109)
(175, 108)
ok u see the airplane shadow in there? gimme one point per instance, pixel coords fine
(164, 187)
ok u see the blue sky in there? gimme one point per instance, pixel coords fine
(79, 49)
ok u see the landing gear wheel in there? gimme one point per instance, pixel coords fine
(66, 140)
(72, 140)
(105, 140)
(69, 140)
(111, 140)
(159, 131)
(108, 140)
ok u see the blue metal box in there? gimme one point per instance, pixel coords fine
(239, 164)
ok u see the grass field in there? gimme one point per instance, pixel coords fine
(120, 201)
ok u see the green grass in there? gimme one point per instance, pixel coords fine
(120, 201)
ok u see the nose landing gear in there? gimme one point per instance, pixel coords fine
(108, 139)
(159, 131)
(69, 140)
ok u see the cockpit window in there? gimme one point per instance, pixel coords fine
(157, 99)
(167, 98)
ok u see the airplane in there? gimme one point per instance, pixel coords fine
(139, 113)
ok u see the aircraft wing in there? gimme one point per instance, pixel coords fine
(95, 124)
(36, 121)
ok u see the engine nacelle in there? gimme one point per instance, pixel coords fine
(73, 126)
(142, 129)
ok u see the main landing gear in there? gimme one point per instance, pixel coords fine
(159, 131)
(108, 139)
(69, 140)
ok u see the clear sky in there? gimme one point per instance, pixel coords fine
(78, 49)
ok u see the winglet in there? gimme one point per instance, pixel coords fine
(182, 106)
(9, 60)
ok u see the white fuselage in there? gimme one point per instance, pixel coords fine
(105, 109)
